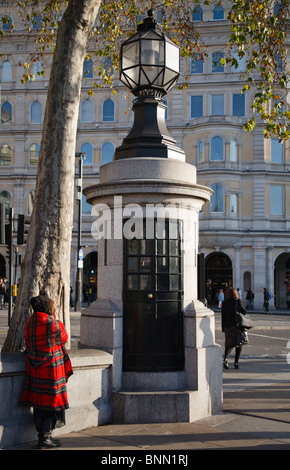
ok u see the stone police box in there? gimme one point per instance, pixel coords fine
(166, 365)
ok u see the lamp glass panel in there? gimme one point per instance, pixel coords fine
(152, 52)
(169, 76)
(130, 56)
(152, 34)
(152, 76)
(172, 57)
(132, 76)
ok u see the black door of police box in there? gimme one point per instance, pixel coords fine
(153, 319)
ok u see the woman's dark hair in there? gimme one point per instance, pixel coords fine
(41, 303)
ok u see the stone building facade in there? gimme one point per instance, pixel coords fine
(244, 230)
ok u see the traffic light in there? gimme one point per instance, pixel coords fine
(22, 229)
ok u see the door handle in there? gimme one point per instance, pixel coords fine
(150, 296)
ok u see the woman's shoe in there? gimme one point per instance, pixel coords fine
(226, 365)
(236, 365)
(48, 442)
(55, 441)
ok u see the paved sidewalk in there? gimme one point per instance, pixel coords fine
(256, 416)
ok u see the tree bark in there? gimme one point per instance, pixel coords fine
(46, 264)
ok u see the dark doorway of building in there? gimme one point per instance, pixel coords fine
(218, 275)
(2, 267)
(282, 281)
(153, 314)
(90, 277)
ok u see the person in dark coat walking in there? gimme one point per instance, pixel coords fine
(266, 299)
(231, 305)
(250, 299)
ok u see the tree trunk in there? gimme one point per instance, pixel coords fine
(46, 263)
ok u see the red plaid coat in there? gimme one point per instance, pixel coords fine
(48, 364)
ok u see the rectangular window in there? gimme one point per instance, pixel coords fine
(238, 105)
(217, 105)
(233, 203)
(196, 64)
(217, 62)
(196, 106)
(277, 200)
(276, 151)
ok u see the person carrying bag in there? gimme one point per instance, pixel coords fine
(233, 313)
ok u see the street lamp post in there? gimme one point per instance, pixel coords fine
(78, 295)
(149, 68)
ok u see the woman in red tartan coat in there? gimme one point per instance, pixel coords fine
(48, 369)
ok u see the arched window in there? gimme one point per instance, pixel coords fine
(108, 110)
(217, 199)
(196, 64)
(6, 75)
(87, 149)
(161, 16)
(247, 280)
(277, 8)
(217, 66)
(234, 150)
(108, 65)
(37, 70)
(37, 22)
(5, 199)
(200, 150)
(30, 202)
(218, 13)
(217, 148)
(34, 154)
(107, 153)
(5, 155)
(197, 14)
(6, 113)
(36, 113)
(87, 111)
(7, 23)
(88, 69)
(241, 62)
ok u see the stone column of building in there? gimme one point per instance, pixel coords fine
(270, 279)
(260, 273)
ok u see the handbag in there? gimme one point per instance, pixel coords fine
(243, 321)
(242, 337)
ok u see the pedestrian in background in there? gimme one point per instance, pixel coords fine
(221, 298)
(230, 306)
(48, 369)
(250, 299)
(2, 293)
(266, 299)
(6, 295)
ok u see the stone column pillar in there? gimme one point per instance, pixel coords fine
(260, 273)
(238, 268)
(270, 283)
